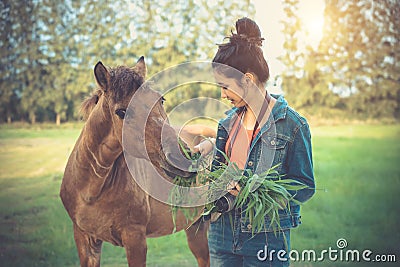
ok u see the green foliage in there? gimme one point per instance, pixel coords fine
(356, 65)
(48, 48)
(261, 195)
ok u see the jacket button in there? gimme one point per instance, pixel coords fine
(249, 226)
(250, 163)
(273, 142)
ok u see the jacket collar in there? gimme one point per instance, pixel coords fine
(280, 108)
(279, 112)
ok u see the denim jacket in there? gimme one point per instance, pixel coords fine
(284, 139)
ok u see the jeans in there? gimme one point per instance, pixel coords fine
(231, 247)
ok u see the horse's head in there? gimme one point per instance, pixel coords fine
(148, 132)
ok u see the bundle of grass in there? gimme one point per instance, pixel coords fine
(261, 195)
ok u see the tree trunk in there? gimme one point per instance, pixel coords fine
(58, 119)
(32, 116)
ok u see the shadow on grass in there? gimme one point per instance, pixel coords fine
(35, 229)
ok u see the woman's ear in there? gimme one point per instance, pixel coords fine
(248, 78)
(249, 75)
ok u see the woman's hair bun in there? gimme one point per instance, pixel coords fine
(247, 27)
(243, 51)
(247, 33)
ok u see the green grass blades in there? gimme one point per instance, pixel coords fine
(181, 193)
(261, 195)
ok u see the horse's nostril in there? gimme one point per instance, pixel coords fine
(121, 113)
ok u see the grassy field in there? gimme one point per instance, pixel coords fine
(357, 172)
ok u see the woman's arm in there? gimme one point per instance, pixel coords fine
(194, 134)
(299, 164)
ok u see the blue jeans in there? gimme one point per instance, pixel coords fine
(231, 247)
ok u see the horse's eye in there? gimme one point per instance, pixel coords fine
(163, 100)
(121, 113)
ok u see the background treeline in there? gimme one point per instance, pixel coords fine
(48, 49)
(355, 70)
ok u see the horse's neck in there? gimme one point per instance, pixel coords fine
(98, 148)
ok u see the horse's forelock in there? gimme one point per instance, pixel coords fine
(89, 103)
(124, 81)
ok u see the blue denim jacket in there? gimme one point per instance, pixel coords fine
(284, 139)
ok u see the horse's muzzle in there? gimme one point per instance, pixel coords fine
(177, 164)
(174, 161)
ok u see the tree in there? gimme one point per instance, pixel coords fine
(360, 52)
(177, 32)
(48, 48)
(17, 24)
(292, 59)
(7, 85)
(356, 65)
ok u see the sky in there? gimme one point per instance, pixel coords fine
(268, 15)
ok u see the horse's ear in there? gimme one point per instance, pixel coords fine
(140, 67)
(102, 76)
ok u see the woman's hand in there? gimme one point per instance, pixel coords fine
(205, 146)
(233, 188)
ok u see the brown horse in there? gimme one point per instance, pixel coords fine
(98, 191)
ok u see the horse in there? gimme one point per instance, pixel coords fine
(98, 191)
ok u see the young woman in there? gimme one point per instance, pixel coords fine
(260, 131)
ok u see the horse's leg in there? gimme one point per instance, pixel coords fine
(89, 248)
(134, 241)
(197, 239)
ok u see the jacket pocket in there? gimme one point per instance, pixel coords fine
(273, 152)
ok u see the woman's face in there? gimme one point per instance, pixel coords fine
(231, 90)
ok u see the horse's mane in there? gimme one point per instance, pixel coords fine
(89, 103)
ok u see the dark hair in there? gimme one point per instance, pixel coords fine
(243, 51)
